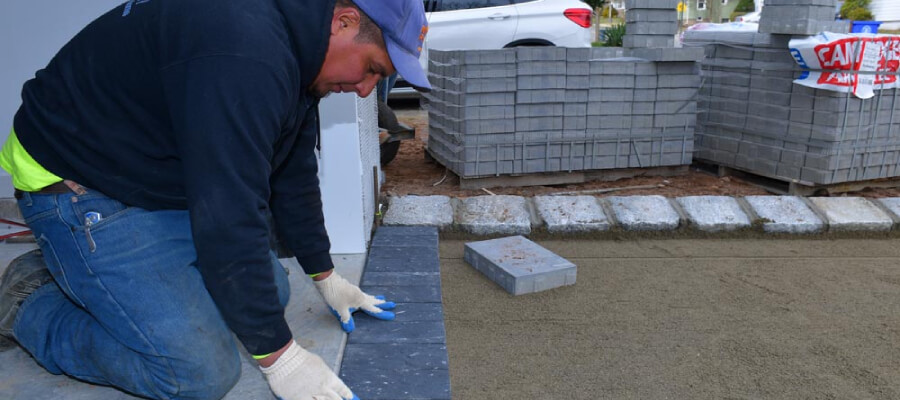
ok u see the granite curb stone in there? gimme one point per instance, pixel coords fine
(483, 215)
(892, 206)
(567, 214)
(420, 210)
(714, 213)
(785, 214)
(852, 214)
(516, 215)
(644, 213)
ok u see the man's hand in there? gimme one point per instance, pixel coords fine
(345, 298)
(300, 375)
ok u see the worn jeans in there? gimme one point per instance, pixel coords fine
(128, 307)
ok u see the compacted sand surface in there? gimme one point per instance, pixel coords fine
(683, 319)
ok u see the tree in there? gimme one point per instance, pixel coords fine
(595, 4)
(745, 6)
(857, 10)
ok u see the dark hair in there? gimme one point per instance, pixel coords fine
(369, 32)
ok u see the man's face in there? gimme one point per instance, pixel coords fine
(350, 66)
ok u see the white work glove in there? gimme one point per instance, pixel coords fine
(301, 375)
(344, 298)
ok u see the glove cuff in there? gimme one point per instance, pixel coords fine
(290, 360)
(329, 281)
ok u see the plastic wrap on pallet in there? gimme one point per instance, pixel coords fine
(753, 117)
(859, 63)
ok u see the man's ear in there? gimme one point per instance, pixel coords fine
(345, 19)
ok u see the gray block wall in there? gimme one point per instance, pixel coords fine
(751, 116)
(800, 17)
(549, 109)
(650, 23)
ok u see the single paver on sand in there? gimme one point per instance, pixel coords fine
(519, 265)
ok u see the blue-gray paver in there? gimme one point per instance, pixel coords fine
(405, 358)
(519, 265)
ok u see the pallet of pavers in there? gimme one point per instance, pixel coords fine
(544, 115)
(535, 110)
(754, 119)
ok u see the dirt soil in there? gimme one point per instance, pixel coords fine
(411, 173)
(683, 319)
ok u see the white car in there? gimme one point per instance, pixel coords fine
(496, 24)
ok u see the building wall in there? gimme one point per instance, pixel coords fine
(31, 32)
(887, 11)
(695, 14)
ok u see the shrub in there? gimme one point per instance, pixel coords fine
(614, 35)
(745, 6)
(857, 10)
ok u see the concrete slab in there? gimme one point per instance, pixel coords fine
(569, 214)
(519, 265)
(644, 213)
(313, 325)
(714, 213)
(501, 215)
(852, 214)
(785, 214)
(419, 211)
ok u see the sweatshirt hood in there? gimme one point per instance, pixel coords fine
(309, 24)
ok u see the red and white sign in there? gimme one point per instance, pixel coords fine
(860, 63)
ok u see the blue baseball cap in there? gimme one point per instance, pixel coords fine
(403, 26)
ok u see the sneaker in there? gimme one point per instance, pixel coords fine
(24, 275)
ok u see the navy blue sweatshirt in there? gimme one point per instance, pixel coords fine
(200, 105)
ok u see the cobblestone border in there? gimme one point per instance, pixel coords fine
(493, 215)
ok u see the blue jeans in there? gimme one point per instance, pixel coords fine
(128, 307)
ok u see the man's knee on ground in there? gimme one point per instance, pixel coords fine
(207, 378)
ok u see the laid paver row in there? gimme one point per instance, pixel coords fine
(516, 215)
(405, 358)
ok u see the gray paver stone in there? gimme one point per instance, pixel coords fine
(503, 215)
(852, 214)
(519, 265)
(785, 214)
(420, 211)
(644, 213)
(714, 213)
(569, 214)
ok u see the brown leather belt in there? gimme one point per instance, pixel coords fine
(55, 188)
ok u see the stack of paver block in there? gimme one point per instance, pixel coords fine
(650, 23)
(800, 17)
(549, 109)
(754, 118)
